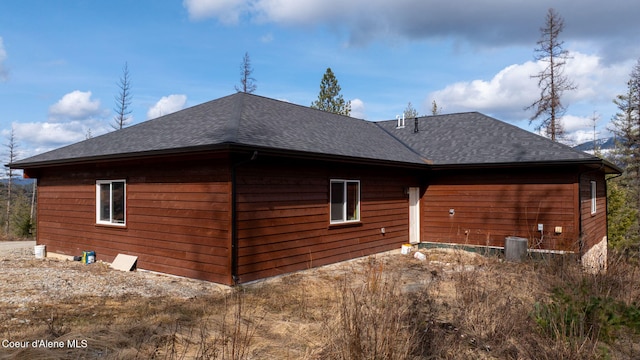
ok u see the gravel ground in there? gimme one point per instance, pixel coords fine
(25, 280)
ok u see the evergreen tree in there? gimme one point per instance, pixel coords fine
(622, 217)
(624, 126)
(551, 80)
(330, 98)
(247, 83)
(624, 203)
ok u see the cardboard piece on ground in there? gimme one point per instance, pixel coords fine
(124, 262)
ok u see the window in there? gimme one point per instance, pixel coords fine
(110, 202)
(593, 197)
(345, 201)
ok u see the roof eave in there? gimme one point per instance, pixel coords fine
(114, 157)
(606, 166)
(231, 146)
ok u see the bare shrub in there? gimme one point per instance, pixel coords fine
(374, 319)
(227, 330)
(453, 305)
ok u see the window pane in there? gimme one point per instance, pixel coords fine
(337, 201)
(353, 198)
(105, 202)
(117, 197)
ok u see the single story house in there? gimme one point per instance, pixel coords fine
(246, 187)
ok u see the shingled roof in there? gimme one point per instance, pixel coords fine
(474, 138)
(253, 121)
(243, 120)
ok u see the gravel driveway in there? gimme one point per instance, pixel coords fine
(7, 246)
(25, 280)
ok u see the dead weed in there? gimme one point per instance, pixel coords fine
(454, 305)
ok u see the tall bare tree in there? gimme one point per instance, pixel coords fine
(551, 80)
(247, 83)
(123, 100)
(12, 154)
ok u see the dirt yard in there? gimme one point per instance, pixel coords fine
(452, 305)
(48, 299)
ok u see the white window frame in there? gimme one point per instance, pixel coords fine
(344, 202)
(594, 197)
(99, 203)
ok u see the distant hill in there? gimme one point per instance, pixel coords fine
(18, 181)
(605, 145)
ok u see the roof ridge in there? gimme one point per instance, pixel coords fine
(430, 116)
(232, 128)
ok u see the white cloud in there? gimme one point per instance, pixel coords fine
(512, 89)
(595, 80)
(508, 92)
(76, 105)
(579, 129)
(49, 133)
(167, 105)
(3, 56)
(226, 11)
(38, 137)
(70, 120)
(573, 123)
(357, 109)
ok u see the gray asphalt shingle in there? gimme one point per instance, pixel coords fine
(250, 120)
(240, 119)
(474, 138)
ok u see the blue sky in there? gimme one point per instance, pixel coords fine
(60, 61)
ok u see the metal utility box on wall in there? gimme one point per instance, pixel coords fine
(515, 248)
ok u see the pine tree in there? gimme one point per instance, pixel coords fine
(622, 217)
(551, 80)
(123, 100)
(247, 83)
(625, 190)
(330, 98)
(624, 126)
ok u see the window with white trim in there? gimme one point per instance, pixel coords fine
(594, 197)
(345, 201)
(111, 202)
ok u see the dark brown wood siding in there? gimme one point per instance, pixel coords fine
(490, 205)
(283, 216)
(178, 215)
(594, 226)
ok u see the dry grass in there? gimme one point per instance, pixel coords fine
(455, 305)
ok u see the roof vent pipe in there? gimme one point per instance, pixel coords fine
(400, 121)
(415, 126)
